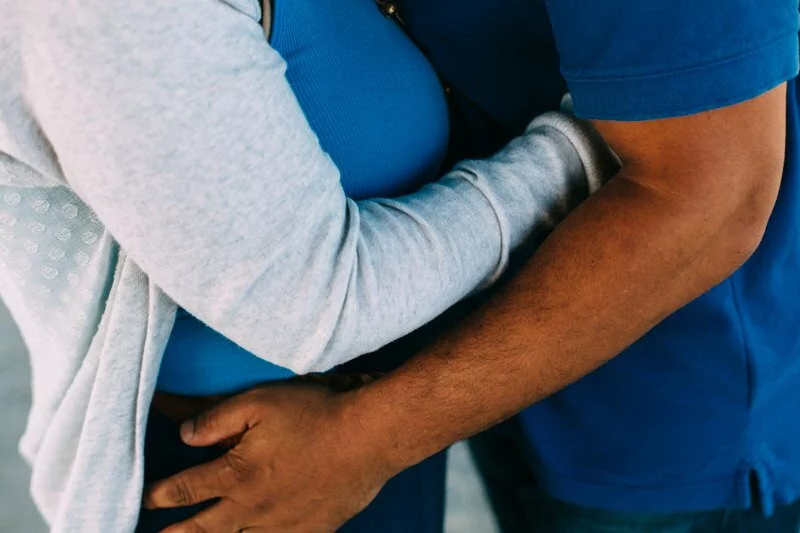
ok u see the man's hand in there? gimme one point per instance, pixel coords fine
(302, 464)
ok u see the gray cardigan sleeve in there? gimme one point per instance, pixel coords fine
(175, 123)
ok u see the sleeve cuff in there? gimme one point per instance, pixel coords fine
(600, 163)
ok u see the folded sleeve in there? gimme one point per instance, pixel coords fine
(175, 123)
(650, 59)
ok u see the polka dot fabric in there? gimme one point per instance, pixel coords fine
(52, 251)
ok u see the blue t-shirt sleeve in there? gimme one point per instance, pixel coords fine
(648, 59)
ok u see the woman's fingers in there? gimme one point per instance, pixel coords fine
(198, 484)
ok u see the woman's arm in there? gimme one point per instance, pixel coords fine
(175, 123)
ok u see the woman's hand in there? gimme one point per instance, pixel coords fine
(302, 463)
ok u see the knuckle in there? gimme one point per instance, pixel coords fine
(262, 506)
(252, 399)
(194, 526)
(267, 470)
(237, 468)
(180, 494)
(205, 422)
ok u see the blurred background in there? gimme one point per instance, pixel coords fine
(467, 508)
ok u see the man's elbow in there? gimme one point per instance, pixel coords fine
(752, 202)
(720, 170)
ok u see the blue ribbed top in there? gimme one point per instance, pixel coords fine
(380, 113)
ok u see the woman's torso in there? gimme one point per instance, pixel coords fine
(379, 111)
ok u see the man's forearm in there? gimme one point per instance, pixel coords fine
(625, 260)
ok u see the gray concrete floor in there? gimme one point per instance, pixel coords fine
(467, 509)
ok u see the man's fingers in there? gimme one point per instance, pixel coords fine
(199, 484)
(226, 420)
(224, 517)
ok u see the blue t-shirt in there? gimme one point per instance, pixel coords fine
(683, 419)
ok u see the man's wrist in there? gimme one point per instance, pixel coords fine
(393, 434)
(356, 414)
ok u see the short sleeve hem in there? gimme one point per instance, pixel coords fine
(686, 92)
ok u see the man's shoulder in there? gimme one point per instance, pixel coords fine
(645, 59)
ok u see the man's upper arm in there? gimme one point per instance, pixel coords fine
(689, 93)
(719, 157)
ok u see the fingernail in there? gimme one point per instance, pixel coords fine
(187, 431)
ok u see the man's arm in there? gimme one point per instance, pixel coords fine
(690, 206)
